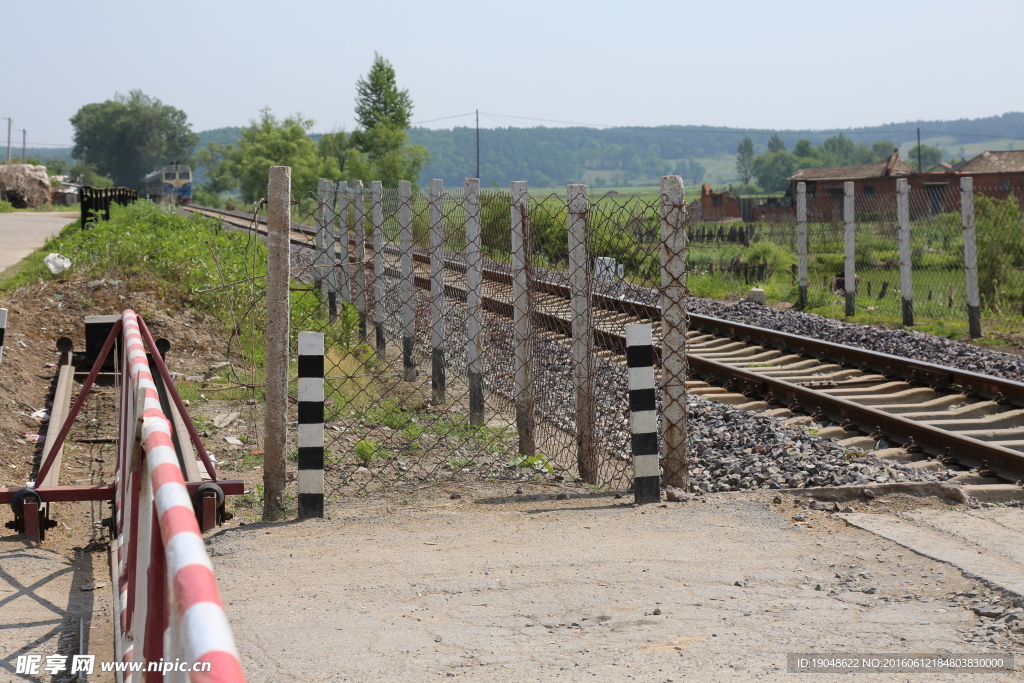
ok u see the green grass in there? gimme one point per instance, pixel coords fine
(368, 451)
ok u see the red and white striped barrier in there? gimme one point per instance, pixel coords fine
(158, 536)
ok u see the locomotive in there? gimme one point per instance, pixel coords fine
(173, 183)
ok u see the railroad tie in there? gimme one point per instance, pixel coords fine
(643, 414)
(311, 424)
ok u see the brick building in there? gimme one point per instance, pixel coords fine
(718, 206)
(825, 185)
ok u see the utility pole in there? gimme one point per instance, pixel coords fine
(24, 134)
(478, 144)
(8, 139)
(920, 169)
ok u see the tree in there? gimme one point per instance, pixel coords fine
(212, 158)
(805, 150)
(745, 160)
(85, 174)
(930, 156)
(269, 142)
(775, 144)
(774, 169)
(883, 149)
(343, 150)
(129, 136)
(378, 99)
(392, 158)
(383, 112)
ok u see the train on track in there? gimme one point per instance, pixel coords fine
(171, 183)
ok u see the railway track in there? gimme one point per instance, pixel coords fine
(925, 411)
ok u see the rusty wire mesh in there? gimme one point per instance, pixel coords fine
(728, 257)
(449, 326)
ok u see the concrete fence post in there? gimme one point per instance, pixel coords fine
(359, 284)
(408, 287)
(801, 244)
(330, 246)
(275, 421)
(3, 331)
(344, 258)
(437, 328)
(970, 257)
(582, 331)
(522, 286)
(673, 330)
(321, 264)
(311, 424)
(474, 304)
(379, 289)
(906, 269)
(849, 248)
(323, 270)
(643, 413)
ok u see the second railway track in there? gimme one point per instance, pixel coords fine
(921, 409)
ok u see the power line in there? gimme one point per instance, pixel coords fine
(443, 118)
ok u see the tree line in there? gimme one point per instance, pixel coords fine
(123, 139)
(776, 165)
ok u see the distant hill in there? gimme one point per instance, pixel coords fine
(552, 157)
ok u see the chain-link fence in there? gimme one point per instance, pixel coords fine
(477, 334)
(924, 279)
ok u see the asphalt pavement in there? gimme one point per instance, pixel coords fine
(22, 232)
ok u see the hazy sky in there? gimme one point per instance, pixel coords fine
(742, 63)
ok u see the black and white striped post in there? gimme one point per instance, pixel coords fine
(311, 424)
(3, 331)
(643, 414)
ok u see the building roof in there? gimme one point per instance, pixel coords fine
(891, 167)
(995, 162)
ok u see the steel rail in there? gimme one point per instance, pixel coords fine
(932, 440)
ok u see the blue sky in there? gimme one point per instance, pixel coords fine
(741, 63)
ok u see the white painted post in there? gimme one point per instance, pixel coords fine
(359, 283)
(522, 286)
(849, 237)
(673, 330)
(474, 304)
(801, 243)
(311, 425)
(379, 290)
(344, 240)
(437, 374)
(906, 272)
(408, 284)
(643, 412)
(582, 331)
(970, 257)
(275, 421)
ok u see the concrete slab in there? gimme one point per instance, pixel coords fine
(972, 558)
(42, 595)
(22, 232)
(1003, 536)
(527, 588)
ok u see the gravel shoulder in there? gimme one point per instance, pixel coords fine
(499, 587)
